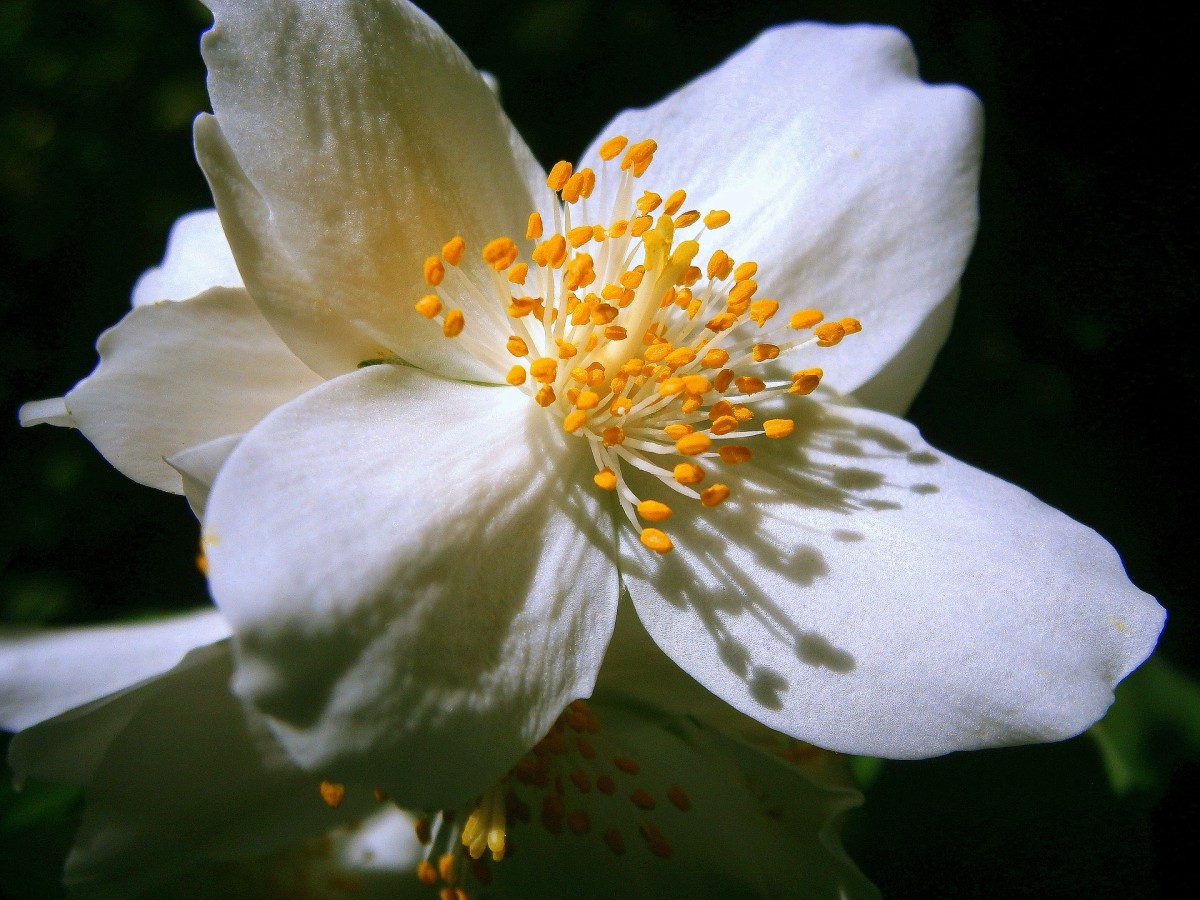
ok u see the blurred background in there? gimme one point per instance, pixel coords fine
(1070, 371)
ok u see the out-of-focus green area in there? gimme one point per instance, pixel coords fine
(1071, 370)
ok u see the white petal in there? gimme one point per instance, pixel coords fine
(173, 375)
(418, 574)
(198, 467)
(193, 776)
(198, 258)
(851, 182)
(870, 595)
(371, 141)
(44, 673)
(46, 412)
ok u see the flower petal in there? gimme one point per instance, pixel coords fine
(371, 141)
(173, 375)
(198, 467)
(193, 776)
(198, 258)
(850, 182)
(44, 673)
(418, 578)
(870, 595)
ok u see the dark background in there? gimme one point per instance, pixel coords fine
(1069, 371)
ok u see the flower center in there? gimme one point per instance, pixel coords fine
(653, 361)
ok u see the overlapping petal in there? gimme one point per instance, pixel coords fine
(864, 592)
(850, 181)
(418, 577)
(197, 258)
(355, 139)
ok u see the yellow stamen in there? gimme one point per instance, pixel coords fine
(648, 202)
(656, 540)
(500, 253)
(805, 318)
(688, 473)
(612, 147)
(678, 430)
(745, 270)
(574, 420)
(434, 271)
(559, 173)
(616, 333)
(519, 273)
(762, 310)
(724, 425)
(544, 370)
(720, 265)
(714, 495)
(452, 250)
(716, 218)
(714, 359)
(693, 444)
(515, 376)
(829, 334)
(851, 326)
(605, 479)
(805, 381)
(748, 384)
(674, 202)
(454, 323)
(690, 217)
(613, 435)
(653, 511)
(429, 306)
(588, 400)
(332, 793)
(577, 237)
(734, 454)
(516, 346)
(778, 428)
(763, 352)
(533, 230)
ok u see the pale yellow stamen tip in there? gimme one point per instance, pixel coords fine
(805, 381)
(653, 511)
(605, 479)
(557, 179)
(696, 384)
(778, 428)
(612, 147)
(714, 495)
(656, 540)
(533, 230)
(332, 793)
(693, 444)
(452, 250)
(716, 218)
(429, 306)
(434, 271)
(515, 376)
(574, 420)
(805, 318)
(454, 323)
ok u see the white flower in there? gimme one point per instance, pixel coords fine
(189, 796)
(421, 563)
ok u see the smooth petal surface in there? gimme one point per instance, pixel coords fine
(850, 182)
(197, 258)
(370, 141)
(192, 777)
(198, 467)
(864, 592)
(418, 577)
(173, 375)
(694, 813)
(44, 673)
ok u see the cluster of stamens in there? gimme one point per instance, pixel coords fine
(614, 327)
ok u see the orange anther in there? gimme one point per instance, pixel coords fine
(429, 306)
(616, 332)
(778, 428)
(519, 273)
(805, 381)
(454, 323)
(605, 479)
(612, 435)
(763, 352)
(696, 384)
(533, 229)
(544, 370)
(679, 798)
(574, 420)
(762, 310)
(516, 346)
(452, 250)
(500, 253)
(434, 271)
(693, 444)
(724, 425)
(656, 541)
(745, 270)
(653, 511)
(613, 146)
(829, 334)
(515, 376)
(720, 265)
(716, 218)
(587, 400)
(850, 326)
(688, 473)
(748, 384)
(332, 793)
(724, 377)
(805, 318)
(559, 173)
(714, 359)
(714, 495)
(734, 454)
(642, 799)
(579, 236)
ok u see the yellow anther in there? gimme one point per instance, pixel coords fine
(691, 217)
(720, 265)
(500, 253)
(668, 299)
(805, 318)
(516, 346)
(578, 186)
(680, 356)
(618, 228)
(574, 420)
(714, 359)
(748, 384)
(762, 310)
(614, 145)
(587, 400)
(519, 273)
(515, 376)
(688, 473)
(429, 306)
(332, 793)
(612, 435)
(716, 218)
(448, 868)
(580, 271)
(691, 403)
(551, 252)
(567, 351)
(620, 406)
(656, 540)
(678, 430)
(577, 237)
(616, 333)
(605, 479)
(696, 384)
(805, 381)
(829, 334)
(724, 425)
(544, 370)
(559, 173)
(632, 366)
(544, 396)
(452, 250)
(598, 233)
(653, 511)
(674, 202)
(648, 202)
(640, 225)
(745, 270)
(851, 326)
(724, 377)
(690, 276)
(670, 387)
(721, 322)
(740, 294)
(426, 873)
(720, 408)
(453, 324)
(638, 156)
(734, 454)
(683, 297)
(658, 352)
(533, 230)
(631, 279)
(714, 495)
(692, 444)
(743, 413)
(778, 428)
(603, 313)
(763, 352)
(596, 374)
(434, 271)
